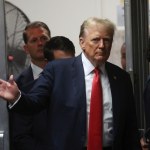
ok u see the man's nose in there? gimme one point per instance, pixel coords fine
(101, 43)
(40, 42)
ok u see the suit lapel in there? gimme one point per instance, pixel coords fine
(27, 80)
(113, 79)
(78, 76)
(28, 75)
(79, 83)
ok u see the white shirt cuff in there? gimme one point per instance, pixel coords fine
(11, 105)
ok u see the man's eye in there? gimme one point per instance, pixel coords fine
(96, 40)
(33, 40)
(44, 38)
(107, 40)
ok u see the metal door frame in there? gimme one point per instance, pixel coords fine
(4, 125)
(136, 36)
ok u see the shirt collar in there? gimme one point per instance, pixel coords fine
(88, 66)
(36, 70)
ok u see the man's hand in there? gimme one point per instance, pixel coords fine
(9, 90)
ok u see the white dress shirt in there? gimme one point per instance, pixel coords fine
(107, 99)
(36, 70)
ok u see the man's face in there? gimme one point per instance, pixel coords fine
(37, 37)
(96, 44)
(123, 57)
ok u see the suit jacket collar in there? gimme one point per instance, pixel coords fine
(78, 73)
(28, 74)
(25, 80)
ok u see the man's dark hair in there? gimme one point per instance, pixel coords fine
(35, 24)
(58, 43)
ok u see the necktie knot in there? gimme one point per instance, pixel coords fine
(96, 75)
(96, 70)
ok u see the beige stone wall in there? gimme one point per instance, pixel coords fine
(119, 39)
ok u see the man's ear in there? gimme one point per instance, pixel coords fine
(82, 43)
(26, 49)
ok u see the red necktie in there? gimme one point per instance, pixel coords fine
(96, 114)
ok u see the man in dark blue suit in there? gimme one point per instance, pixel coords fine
(28, 132)
(64, 88)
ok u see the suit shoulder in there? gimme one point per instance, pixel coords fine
(115, 68)
(61, 62)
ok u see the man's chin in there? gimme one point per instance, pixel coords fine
(101, 59)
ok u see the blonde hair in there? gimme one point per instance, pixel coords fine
(93, 20)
